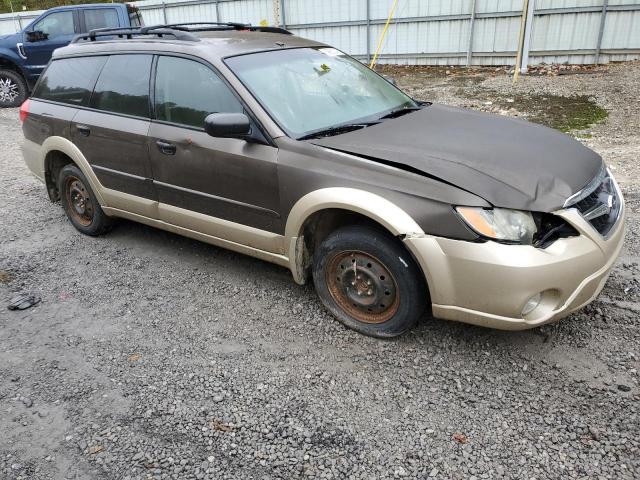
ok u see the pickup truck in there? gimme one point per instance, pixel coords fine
(24, 55)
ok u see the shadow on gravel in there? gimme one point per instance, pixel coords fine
(154, 243)
(147, 241)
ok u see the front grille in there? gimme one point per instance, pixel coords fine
(599, 203)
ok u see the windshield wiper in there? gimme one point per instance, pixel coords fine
(328, 132)
(399, 112)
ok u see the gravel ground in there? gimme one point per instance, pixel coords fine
(155, 356)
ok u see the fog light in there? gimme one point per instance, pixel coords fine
(531, 304)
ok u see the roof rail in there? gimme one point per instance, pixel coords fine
(159, 31)
(179, 31)
(216, 26)
(284, 31)
(213, 25)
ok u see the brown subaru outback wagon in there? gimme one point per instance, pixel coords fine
(283, 148)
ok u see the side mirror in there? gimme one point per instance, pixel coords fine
(227, 125)
(36, 36)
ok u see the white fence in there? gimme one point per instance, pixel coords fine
(441, 32)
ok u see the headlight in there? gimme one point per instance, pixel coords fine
(500, 223)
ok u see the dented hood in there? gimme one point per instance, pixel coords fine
(508, 162)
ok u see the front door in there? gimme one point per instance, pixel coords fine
(58, 29)
(220, 178)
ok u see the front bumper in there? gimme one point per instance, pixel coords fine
(489, 283)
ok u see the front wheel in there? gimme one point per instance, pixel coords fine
(369, 282)
(13, 89)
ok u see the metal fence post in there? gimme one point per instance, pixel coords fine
(472, 21)
(275, 5)
(603, 18)
(164, 12)
(527, 37)
(19, 21)
(283, 16)
(217, 10)
(369, 31)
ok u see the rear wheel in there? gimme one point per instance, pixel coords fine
(13, 89)
(369, 282)
(80, 203)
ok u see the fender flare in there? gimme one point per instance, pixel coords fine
(371, 205)
(65, 146)
(10, 57)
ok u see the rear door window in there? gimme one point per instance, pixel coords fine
(100, 18)
(123, 85)
(69, 80)
(187, 91)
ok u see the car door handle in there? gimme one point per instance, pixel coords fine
(166, 148)
(83, 130)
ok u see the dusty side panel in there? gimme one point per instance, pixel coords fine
(304, 168)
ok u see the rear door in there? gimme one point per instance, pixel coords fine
(112, 132)
(100, 17)
(225, 178)
(65, 88)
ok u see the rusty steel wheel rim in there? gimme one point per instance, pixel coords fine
(362, 286)
(80, 204)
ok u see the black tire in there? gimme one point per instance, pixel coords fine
(366, 298)
(13, 89)
(80, 203)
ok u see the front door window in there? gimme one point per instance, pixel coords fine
(57, 24)
(188, 91)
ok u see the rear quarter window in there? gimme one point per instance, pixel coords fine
(69, 80)
(123, 86)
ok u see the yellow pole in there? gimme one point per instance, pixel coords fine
(384, 32)
(523, 23)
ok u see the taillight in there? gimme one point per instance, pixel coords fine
(24, 110)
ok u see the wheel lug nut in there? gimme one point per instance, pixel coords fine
(369, 292)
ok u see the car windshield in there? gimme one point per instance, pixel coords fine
(309, 90)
